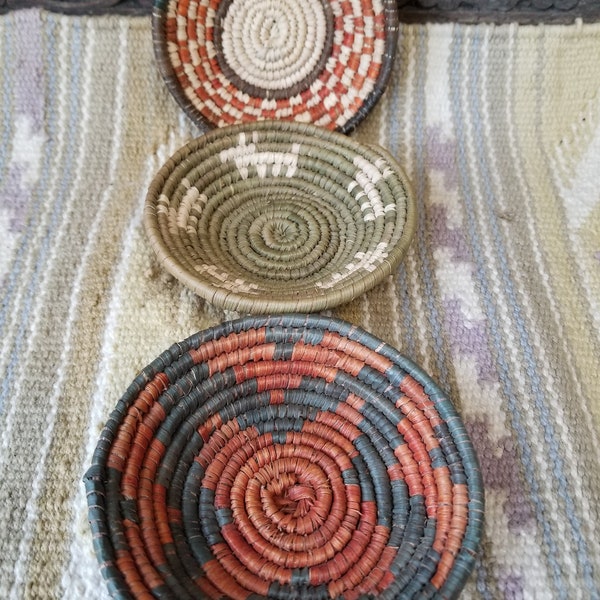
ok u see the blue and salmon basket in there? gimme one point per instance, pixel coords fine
(287, 456)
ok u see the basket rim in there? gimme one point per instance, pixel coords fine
(167, 70)
(351, 288)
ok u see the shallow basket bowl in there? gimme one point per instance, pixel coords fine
(284, 456)
(279, 217)
(315, 61)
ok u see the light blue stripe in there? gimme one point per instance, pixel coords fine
(395, 135)
(419, 186)
(435, 325)
(409, 345)
(75, 54)
(490, 309)
(482, 577)
(394, 90)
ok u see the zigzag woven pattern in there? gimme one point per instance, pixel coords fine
(284, 457)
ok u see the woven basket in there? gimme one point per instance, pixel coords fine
(284, 457)
(316, 61)
(279, 217)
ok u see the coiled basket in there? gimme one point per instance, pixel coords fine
(314, 61)
(291, 456)
(279, 217)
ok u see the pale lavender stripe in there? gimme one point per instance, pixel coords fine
(441, 156)
(29, 89)
(23, 51)
(469, 339)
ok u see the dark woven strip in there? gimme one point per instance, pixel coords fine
(82, 7)
(498, 11)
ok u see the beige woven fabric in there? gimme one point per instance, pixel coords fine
(498, 298)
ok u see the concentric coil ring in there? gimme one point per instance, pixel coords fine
(287, 456)
(271, 217)
(315, 61)
(272, 47)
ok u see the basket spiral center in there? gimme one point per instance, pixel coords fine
(281, 232)
(273, 44)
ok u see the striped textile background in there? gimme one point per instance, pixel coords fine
(498, 299)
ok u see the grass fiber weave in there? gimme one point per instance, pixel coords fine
(292, 456)
(279, 216)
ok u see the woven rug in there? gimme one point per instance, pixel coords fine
(498, 298)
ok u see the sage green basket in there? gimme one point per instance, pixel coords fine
(279, 217)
